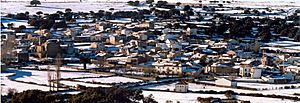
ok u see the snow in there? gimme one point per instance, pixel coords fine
(230, 11)
(197, 87)
(6, 84)
(5, 21)
(265, 100)
(72, 83)
(83, 47)
(267, 86)
(120, 21)
(18, 7)
(77, 0)
(162, 97)
(52, 67)
(80, 66)
(41, 77)
(115, 79)
(51, 6)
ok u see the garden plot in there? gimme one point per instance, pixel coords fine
(41, 77)
(115, 79)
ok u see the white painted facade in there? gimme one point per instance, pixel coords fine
(181, 87)
(225, 82)
(169, 69)
(256, 72)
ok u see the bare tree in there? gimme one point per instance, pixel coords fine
(58, 65)
(49, 77)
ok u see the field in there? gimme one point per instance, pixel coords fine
(18, 7)
(52, 6)
(116, 79)
(162, 97)
(7, 84)
(74, 84)
(39, 79)
(197, 87)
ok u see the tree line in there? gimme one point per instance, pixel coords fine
(89, 95)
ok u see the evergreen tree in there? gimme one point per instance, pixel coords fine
(35, 2)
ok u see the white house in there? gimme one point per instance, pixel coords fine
(168, 67)
(244, 71)
(182, 86)
(255, 72)
(226, 82)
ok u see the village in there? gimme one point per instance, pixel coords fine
(191, 50)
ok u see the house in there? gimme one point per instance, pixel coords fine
(119, 60)
(191, 31)
(113, 39)
(168, 67)
(102, 26)
(182, 86)
(53, 48)
(221, 69)
(146, 24)
(255, 72)
(244, 71)
(248, 71)
(226, 82)
(40, 51)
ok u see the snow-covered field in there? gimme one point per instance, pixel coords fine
(68, 67)
(16, 23)
(80, 66)
(41, 77)
(74, 84)
(44, 67)
(77, 0)
(18, 7)
(162, 97)
(197, 87)
(116, 79)
(52, 6)
(261, 86)
(7, 84)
